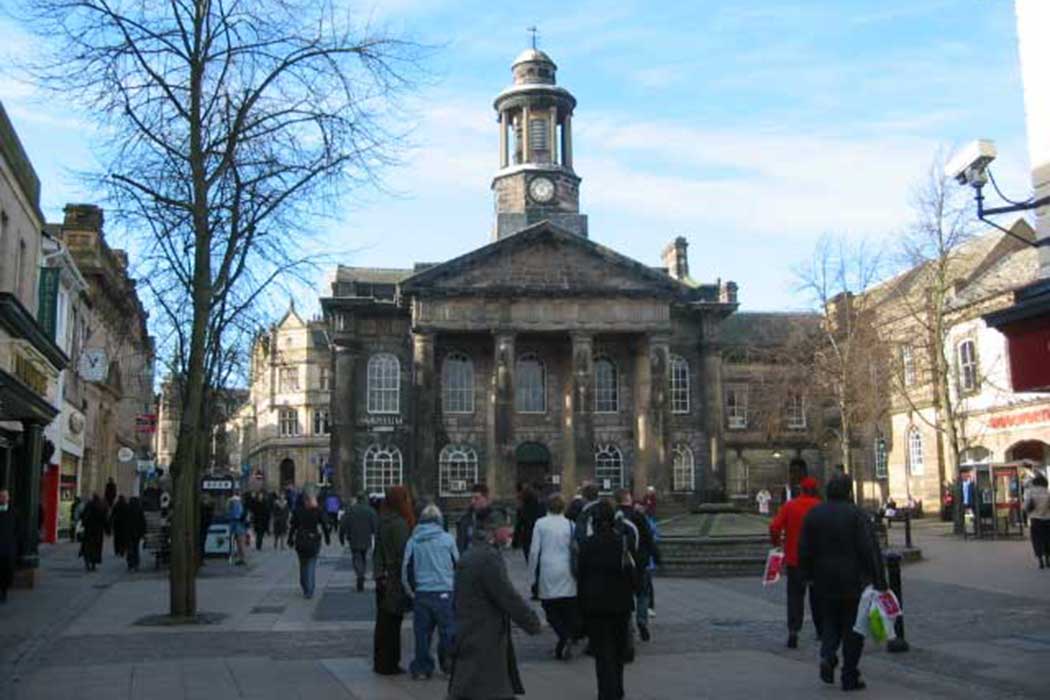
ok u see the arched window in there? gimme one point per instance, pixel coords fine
(457, 384)
(881, 461)
(530, 385)
(679, 385)
(382, 468)
(457, 470)
(384, 384)
(608, 468)
(684, 469)
(967, 362)
(606, 386)
(916, 463)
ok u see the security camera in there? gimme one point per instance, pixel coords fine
(970, 164)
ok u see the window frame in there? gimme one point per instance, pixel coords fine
(606, 398)
(967, 370)
(612, 453)
(882, 470)
(907, 357)
(383, 387)
(737, 419)
(520, 395)
(375, 452)
(467, 466)
(795, 419)
(678, 468)
(288, 422)
(679, 381)
(287, 379)
(326, 422)
(324, 379)
(464, 391)
(916, 467)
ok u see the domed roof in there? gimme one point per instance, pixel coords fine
(532, 56)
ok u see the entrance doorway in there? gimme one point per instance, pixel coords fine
(534, 464)
(287, 472)
(1035, 451)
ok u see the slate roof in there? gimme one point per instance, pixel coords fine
(373, 275)
(764, 329)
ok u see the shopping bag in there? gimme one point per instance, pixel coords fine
(774, 565)
(862, 624)
(888, 604)
(876, 625)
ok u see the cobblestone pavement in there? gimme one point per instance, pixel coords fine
(976, 617)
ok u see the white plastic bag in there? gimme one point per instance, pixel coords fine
(860, 625)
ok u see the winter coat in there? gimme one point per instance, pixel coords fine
(135, 528)
(8, 535)
(94, 520)
(389, 555)
(118, 522)
(1037, 503)
(429, 564)
(358, 526)
(647, 552)
(260, 509)
(279, 516)
(308, 526)
(605, 584)
(838, 551)
(529, 512)
(789, 524)
(486, 603)
(550, 557)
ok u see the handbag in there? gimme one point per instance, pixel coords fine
(307, 543)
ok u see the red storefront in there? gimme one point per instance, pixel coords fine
(1026, 326)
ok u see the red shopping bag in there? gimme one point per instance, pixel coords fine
(774, 565)
(888, 604)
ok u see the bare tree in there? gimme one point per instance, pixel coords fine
(834, 279)
(231, 125)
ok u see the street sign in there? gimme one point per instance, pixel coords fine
(210, 485)
(146, 423)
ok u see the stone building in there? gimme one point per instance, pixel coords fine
(281, 434)
(225, 402)
(542, 356)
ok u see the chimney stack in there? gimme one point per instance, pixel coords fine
(83, 217)
(676, 258)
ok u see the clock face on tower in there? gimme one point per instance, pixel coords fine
(541, 189)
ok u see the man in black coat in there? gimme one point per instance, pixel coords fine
(839, 554)
(8, 543)
(359, 525)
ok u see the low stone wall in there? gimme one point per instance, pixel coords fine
(714, 557)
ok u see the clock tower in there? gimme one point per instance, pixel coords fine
(536, 180)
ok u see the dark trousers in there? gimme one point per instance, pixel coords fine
(359, 558)
(7, 574)
(796, 598)
(134, 548)
(1040, 533)
(387, 642)
(608, 635)
(563, 616)
(432, 609)
(838, 616)
(259, 536)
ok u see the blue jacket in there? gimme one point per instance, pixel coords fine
(430, 560)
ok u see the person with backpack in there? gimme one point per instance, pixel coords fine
(606, 582)
(309, 524)
(647, 555)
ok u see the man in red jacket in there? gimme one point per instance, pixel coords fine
(787, 527)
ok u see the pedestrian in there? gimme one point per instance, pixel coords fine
(395, 524)
(358, 527)
(649, 501)
(647, 554)
(427, 573)
(1037, 505)
(550, 565)
(279, 521)
(235, 513)
(584, 527)
(484, 667)
(529, 511)
(8, 543)
(479, 503)
(110, 494)
(332, 505)
(74, 517)
(118, 524)
(785, 530)
(309, 525)
(839, 554)
(260, 518)
(135, 530)
(607, 584)
(94, 520)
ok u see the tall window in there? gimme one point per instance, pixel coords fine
(736, 405)
(538, 141)
(679, 385)
(608, 468)
(796, 412)
(916, 463)
(457, 470)
(908, 365)
(967, 361)
(684, 469)
(382, 468)
(457, 384)
(321, 421)
(881, 464)
(606, 386)
(288, 378)
(384, 384)
(530, 385)
(288, 420)
(326, 379)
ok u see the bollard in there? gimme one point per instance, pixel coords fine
(907, 530)
(893, 573)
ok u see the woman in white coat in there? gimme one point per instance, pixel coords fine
(550, 565)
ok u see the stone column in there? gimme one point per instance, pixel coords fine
(526, 155)
(348, 476)
(424, 386)
(578, 459)
(503, 139)
(552, 134)
(500, 465)
(566, 142)
(27, 495)
(711, 383)
(652, 464)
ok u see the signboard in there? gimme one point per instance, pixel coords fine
(125, 454)
(145, 466)
(385, 421)
(216, 485)
(47, 300)
(146, 423)
(1019, 419)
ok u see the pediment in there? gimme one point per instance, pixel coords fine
(543, 259)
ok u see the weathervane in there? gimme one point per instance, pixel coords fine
(534, 31)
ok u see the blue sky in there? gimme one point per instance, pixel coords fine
(749, 127)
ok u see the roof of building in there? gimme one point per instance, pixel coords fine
(373, 275)
(533, 55)
(1015, 269)
(766, 328)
